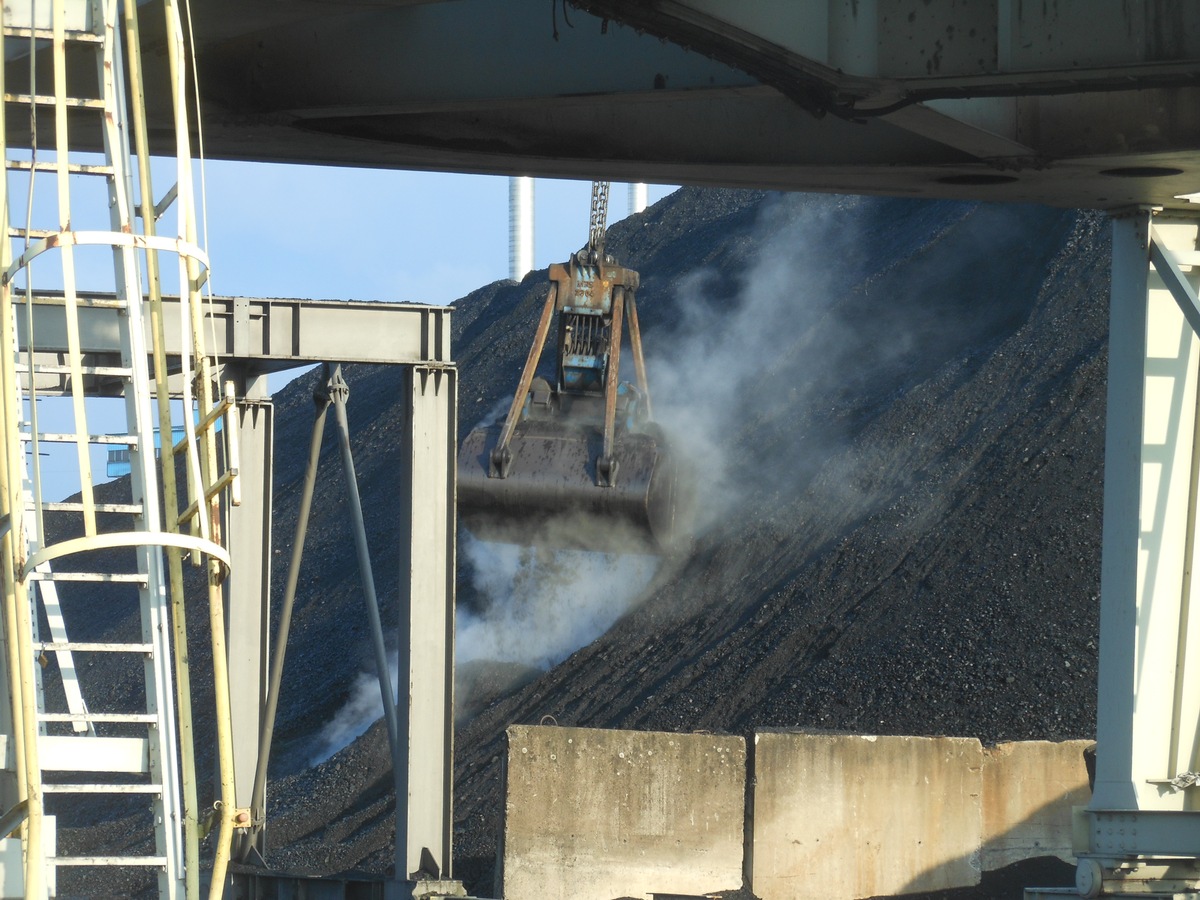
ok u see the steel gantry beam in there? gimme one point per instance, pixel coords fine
(257, 335)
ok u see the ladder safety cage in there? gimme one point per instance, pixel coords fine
(103, 572)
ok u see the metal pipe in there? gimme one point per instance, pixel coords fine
(227, 806)
(12, 819)
(16, 597)
(201, 471)
(70, 296)
(340, 392)
(35, 886)
(258, 793)
(183, 680)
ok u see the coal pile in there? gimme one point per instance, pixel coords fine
(896, 412)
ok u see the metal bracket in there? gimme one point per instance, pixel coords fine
(1118, 834)
(1180, 782)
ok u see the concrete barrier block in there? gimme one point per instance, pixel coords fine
(843, 817)
(1029, 788)
(597, 815)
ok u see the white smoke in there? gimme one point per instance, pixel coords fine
(541, 605)
(746, 383)
(716, 376)
(536, 605)
(362, 710)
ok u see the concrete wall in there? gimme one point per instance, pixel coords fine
(845, 816)
(597, 815)
(1029, 788)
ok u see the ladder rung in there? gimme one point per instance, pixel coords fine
(91, 577)
(109, 860)
(47, 34)
(48, 100)
(210, 494)
(69, 506)
(102, 788)
(54, 437)
(164, 204)
(24, 165)
(51, 369)
(130, 718)
(91, 302)
(78, 753)
(93, 647)
(223, 406)
(34, 234)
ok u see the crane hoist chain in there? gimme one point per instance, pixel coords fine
(599, 220)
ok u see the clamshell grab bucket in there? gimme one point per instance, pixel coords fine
(551, 494)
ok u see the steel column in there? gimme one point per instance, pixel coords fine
(321, 401)
(247, 590)
(1147, 574)
(1114, 788)
(424, 772)
(1148, 721)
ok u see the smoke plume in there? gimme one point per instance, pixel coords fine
(537, 607)
(769, 373)
(541, 605)
(758, 378)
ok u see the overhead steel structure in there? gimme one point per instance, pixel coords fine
(1092, 103)
(1072, 102)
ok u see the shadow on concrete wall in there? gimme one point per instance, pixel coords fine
(1010, 881)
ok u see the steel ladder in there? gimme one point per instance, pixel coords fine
(100, 776)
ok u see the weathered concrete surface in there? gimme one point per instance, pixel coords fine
(848, 816)
(596, 815)
(603, 814)
(1029, 788)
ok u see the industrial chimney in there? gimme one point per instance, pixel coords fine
(520, 226)
(637, 198)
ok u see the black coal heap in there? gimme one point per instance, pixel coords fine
(895, 412)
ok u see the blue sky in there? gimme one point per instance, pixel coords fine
(360, 234)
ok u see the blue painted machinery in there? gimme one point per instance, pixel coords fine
(577, 462)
